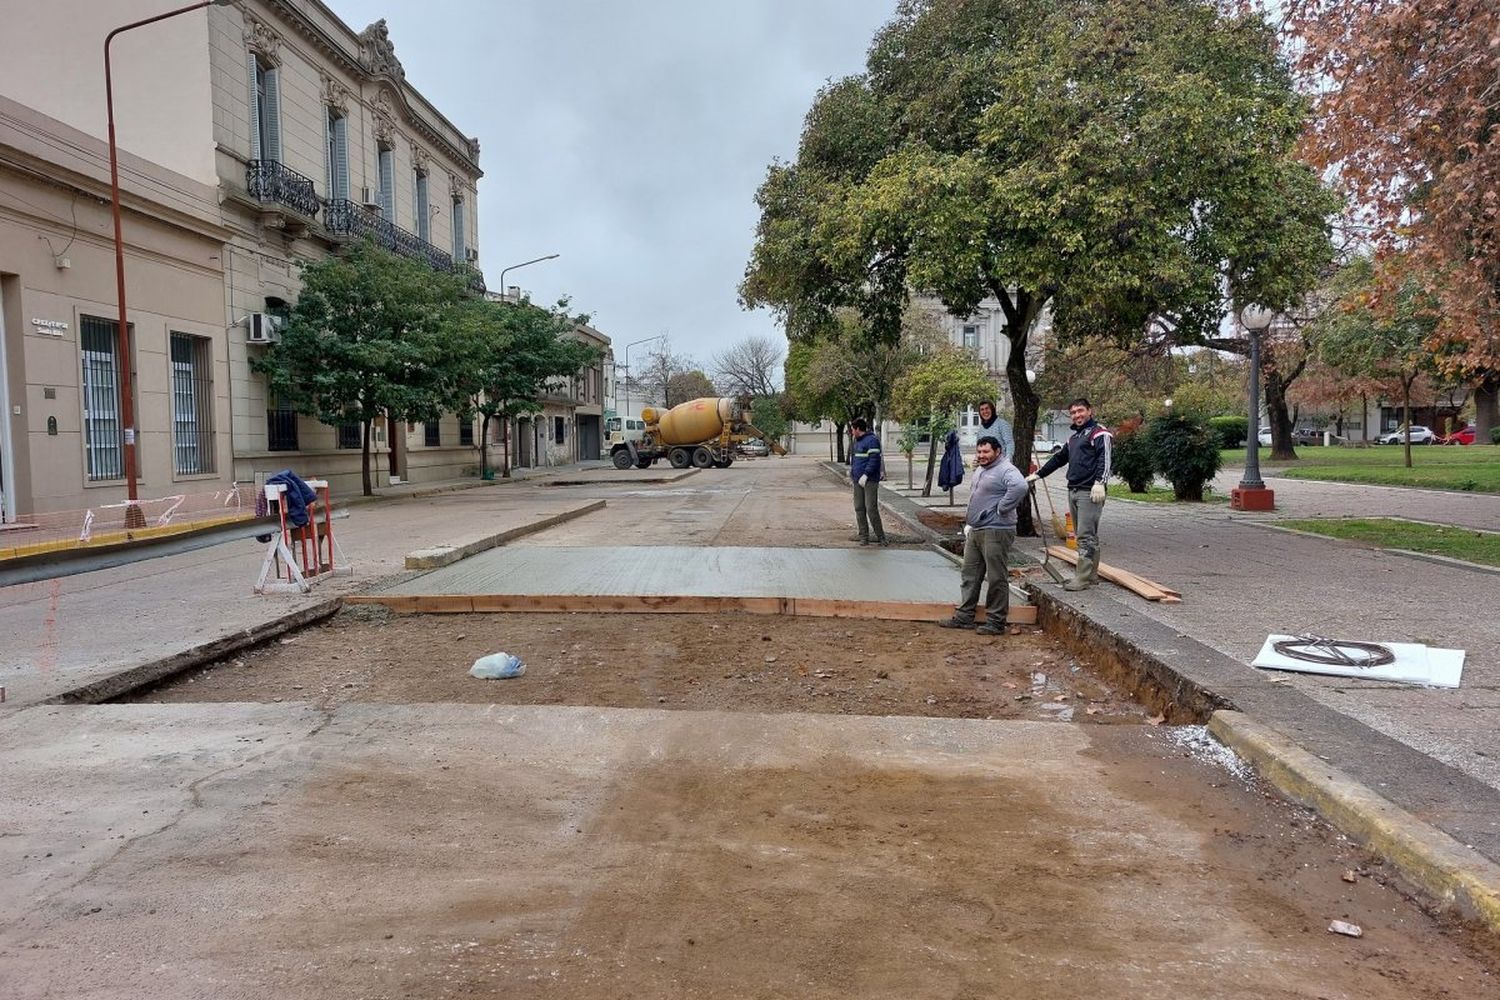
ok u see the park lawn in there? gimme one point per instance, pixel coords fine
(1161, 494)
(1475, 468)
(1393, 533)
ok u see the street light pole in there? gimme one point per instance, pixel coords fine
(505, 472)
(1252, 493)
(133, 516)
(628, 346)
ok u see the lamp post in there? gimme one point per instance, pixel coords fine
(628, 346)
(524, 263)
(505, 471)
(1252, 493)
(133, 516)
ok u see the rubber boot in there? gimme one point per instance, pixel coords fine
(1085, 574)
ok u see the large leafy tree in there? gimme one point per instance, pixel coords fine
(1408, 115)
(511, 351)
(935, 389)
(369, 337)
(1124, 162)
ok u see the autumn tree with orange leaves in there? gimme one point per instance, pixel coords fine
(1407, 112)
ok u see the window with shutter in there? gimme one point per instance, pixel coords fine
(458, 230)
(257, 101)
(424, 217)
(103, 428)
(192, 405)
(338, 155)
(270, 114)
(388, 182)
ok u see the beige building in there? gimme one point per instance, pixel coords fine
(570, 427)
(299, 134)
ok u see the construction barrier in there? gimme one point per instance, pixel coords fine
(127, 521)
(298, 557)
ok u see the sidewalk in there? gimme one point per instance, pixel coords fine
(64, 633)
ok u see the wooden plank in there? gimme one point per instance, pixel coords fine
(676, 604)
(1139, 585)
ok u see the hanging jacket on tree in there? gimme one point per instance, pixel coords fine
(951, 472)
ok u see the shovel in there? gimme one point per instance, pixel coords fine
(1052, 570)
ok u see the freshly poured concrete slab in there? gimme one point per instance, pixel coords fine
(848, 574)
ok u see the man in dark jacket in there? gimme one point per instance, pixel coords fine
(1088, 459)
(865, 471)
(989, 532)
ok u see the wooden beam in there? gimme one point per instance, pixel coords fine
(1136, 584)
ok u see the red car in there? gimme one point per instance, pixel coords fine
(1464, 435)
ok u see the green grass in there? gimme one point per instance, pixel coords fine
(1473, 469)
(1392, 533)
(1160, 494)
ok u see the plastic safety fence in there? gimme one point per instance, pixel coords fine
(112, 523)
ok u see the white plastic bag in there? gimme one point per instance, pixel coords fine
(497, 667)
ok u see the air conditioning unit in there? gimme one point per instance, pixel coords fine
(265, 328)
(470, 254)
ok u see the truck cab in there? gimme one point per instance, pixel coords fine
(622, 429)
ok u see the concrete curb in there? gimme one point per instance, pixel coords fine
(149, 673)
(1426, 557)
(447, 555)
(1454, 875)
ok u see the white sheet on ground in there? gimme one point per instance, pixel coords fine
(1415, 664)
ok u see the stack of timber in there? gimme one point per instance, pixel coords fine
(1138, 585)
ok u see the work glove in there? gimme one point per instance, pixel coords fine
(967, 528)
(1031, 479)
(1097, 493)
(864, 479)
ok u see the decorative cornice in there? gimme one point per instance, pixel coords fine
(335, 94)
(421, 160)
(261, 39)
(377, 54)
(385, 119)
(456, 187)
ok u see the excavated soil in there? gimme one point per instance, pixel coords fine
(729, 662)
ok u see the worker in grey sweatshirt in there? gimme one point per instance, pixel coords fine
(989, 532)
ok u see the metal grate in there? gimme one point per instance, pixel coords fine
(466, 432)
(432, 434)
(351, 435)
(192, 405)
(281, 428)
(103, 429)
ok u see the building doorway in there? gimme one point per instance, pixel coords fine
(7, 474)
(524, 443)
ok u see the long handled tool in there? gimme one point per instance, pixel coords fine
(1052, 570)
(1059, 529)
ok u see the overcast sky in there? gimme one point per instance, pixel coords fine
(628, 137)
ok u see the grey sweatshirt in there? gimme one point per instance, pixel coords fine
(997, 491)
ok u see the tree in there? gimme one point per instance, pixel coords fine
(1408, 114)
(749, 368)
(1125, 163)
(370, 336)
(1364, 340)
(769, 418)
(688, 385)
(659, 368)
(511, 351)
(935, 389)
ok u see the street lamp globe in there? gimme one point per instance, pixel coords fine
(1256, 317)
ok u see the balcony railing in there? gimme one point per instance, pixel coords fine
(343, 217)
(270, 181)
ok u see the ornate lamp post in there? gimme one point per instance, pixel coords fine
(1252, 493)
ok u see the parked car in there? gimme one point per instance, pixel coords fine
(754, 448)
(1464, 435)
(1419, 435)
(1044, 446)
(1302, 437)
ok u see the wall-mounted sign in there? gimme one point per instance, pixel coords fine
(50, 327)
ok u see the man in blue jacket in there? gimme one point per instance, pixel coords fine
(865, 471)
(1088, 459)
(989, 532)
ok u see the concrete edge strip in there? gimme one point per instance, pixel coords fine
(1426, 557)
(1444, 869)
(447, 555)
(146, 674)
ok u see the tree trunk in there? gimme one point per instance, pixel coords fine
(838, 432)
(1018, 332)
(364, 456)
(931, 457)
(1486, 407)
(1364, 417)
(505, 463)
(1281, 419)
(908, 470)
(1406, 416)
(484, 445)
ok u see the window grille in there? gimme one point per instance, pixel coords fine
(103, 427)
(192, 405)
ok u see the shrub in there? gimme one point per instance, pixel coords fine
(1186, 453)
(1233, 431)
(1495, 435)
(1134, 461)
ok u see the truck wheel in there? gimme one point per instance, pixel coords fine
(703, 458)
(621, 459)
(680, 458)
(728, 461)
(643, 463)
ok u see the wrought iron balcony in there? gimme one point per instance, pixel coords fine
(273, 182)
(346, 218)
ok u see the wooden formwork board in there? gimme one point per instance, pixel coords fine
(687, 604)
(1136, 584)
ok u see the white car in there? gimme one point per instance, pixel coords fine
(1042, 446)
(1419, 435)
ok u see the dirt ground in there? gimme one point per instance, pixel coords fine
(743, 663)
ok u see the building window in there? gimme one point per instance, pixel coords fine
(281, 427)
(558, 430)
(466, 432)
(458, 231)
(265, 110)
(971, 337)
(424, 215)
(351, 434)
(432, 434)
(337, 127)
(192, 405)
(103, 427)
(387, 164)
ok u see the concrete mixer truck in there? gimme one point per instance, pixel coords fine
(700, 433)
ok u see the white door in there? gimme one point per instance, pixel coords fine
(7, 475)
